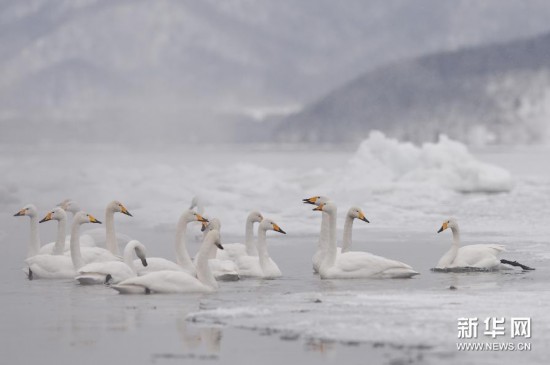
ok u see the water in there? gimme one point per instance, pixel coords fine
(297, 318)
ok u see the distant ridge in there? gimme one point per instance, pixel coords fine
(497, 93)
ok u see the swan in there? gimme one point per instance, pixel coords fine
(113, 272)
(183, 260)
(70, 206)
(30, 211)
(323, 235)
(60, 266)
(232, 251)
(110, 235)
(482, 256)
(353, 213)
(355, 264)
(223, 270)
(177, 281)
(261, 266)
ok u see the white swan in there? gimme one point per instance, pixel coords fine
(232, 251)
(319, 254)
(354, 264)
(478, 256)
(261, 266)
(223, 270)
(177, 281)
(113, 272)
(183, 260)
(353, 213)
(70, 206)
(60, 266)
(30, 211)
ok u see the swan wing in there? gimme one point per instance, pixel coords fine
(231, 251)
(249, 266)
(98, 271)
(225, 270)
(51, 267)
(480, 256)
(163, 282)
(363, 264)
(156, 264)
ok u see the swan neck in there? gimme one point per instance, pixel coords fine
(204, 274)
(129, 255)
(111, 242)
(251, 249)
(263, 255)
(182, 256)
(324, 233)
(330, 257)
(34, 244)
(76, 256)
(346, 239)
(59, 247)
(456, 236)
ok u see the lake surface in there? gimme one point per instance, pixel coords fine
(298, 318)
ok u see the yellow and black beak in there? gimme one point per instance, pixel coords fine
(444, 226)
(203, 226)
(144, 262)
(276, 228)
(200, 218)
(311, 200)
(124, 210)
(20, 213)
(218, 245)
(362, 217)
(319, 208)
(93, 220)
(48, 217)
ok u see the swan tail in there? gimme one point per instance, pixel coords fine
(90, 279)
(515, 263)
(131, 289)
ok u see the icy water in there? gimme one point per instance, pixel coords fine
(298, 318)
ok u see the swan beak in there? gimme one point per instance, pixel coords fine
(219, 245)
(48, 217)
(93, 220)
(20, 213)
(444, 226)
(144, 262)
(200, 218)
(276, 228)
(362, 217)
(319, 208)
(124, 210)
(204, 225)
(311, 200)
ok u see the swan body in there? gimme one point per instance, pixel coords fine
(223, 270)
(117, 271)
(261, 266)
(478, 256)
(60, 266)
(354, 264)
(183, 260)
(177, 281)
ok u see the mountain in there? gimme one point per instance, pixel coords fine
(490, 94)
(190, 70)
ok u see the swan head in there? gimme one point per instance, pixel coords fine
(316, 200)
(29, 210)
(57, 214)
(255, 217)
(191, 216)
(328, 207)
(268, 225)
(70, 206)
(83, 217)
(118, 207)
(357, 213)
(212, 224)
(141, 253)
(195, 202)
(214, 237)
(450, 223)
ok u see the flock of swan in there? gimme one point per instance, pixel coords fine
(79, 257)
